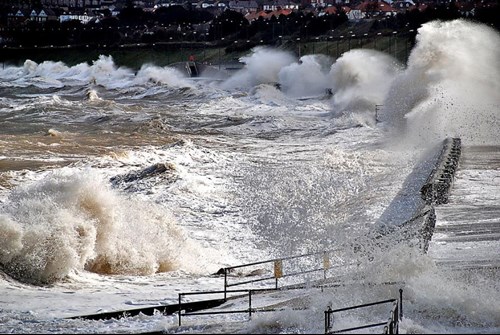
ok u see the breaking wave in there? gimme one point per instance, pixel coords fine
(72, 221)
(450, 87)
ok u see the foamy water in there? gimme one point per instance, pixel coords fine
(120, 189)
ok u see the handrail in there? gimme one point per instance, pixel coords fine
(278, 269)
(391, 326)
(250, 310)
(278, 273)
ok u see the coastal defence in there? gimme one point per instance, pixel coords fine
(412, 212)
(436, 189)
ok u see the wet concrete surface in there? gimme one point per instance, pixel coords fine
(467, 231)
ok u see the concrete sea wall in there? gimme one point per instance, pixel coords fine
(411, 215)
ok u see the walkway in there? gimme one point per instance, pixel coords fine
(467, 231)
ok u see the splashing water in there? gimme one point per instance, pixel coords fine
(450, 88)
(262, 67)
(361, 80)
(71, 221)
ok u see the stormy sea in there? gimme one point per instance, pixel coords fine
(122, 188)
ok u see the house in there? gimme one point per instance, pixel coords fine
(18, 16)
(330, 10)
(255, 15)
(81, 16)
(370, 9)
(43, 15)
(267, 15)
(280, 4)
(243, 6)
(403, 5)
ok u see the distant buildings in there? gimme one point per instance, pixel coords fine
(21, 12)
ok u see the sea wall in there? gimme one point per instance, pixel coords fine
(436, 189)
(411, 215)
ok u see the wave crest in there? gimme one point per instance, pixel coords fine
(73, 221)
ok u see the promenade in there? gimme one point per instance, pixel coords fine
(467, 230)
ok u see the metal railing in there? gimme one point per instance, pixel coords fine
(248, 310)
(282, 270)
(390, 327)
(279, 271)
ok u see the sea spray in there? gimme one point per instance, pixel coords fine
(261, 67)
(360, 80)
(171, 77)
(450, 87)
(73, 221)
(309, 77)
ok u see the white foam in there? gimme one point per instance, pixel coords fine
(70, 220)
(451, 85)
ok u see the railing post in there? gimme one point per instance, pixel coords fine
(326, 263)
(180, 310)
(400, 304)
(278, 270)
(250, 304)
(328, 314)
(225, 283)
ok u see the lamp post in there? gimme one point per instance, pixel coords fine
(298, 41)
(341, 37)
(375, 41)
(406, 45)
(222, 40)
(395, 44)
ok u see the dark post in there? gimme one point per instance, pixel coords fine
(225, 275)
(180, 311)
(250, 303)
(328, 321)
(400, 303)
(395, 44)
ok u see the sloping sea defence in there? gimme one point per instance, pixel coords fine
(164, 53)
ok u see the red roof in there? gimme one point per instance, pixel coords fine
(375, 6)
(331, 10)
(255, 15)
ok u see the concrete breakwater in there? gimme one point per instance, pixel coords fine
(411, 215)
(437, 187)
(435, 190)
